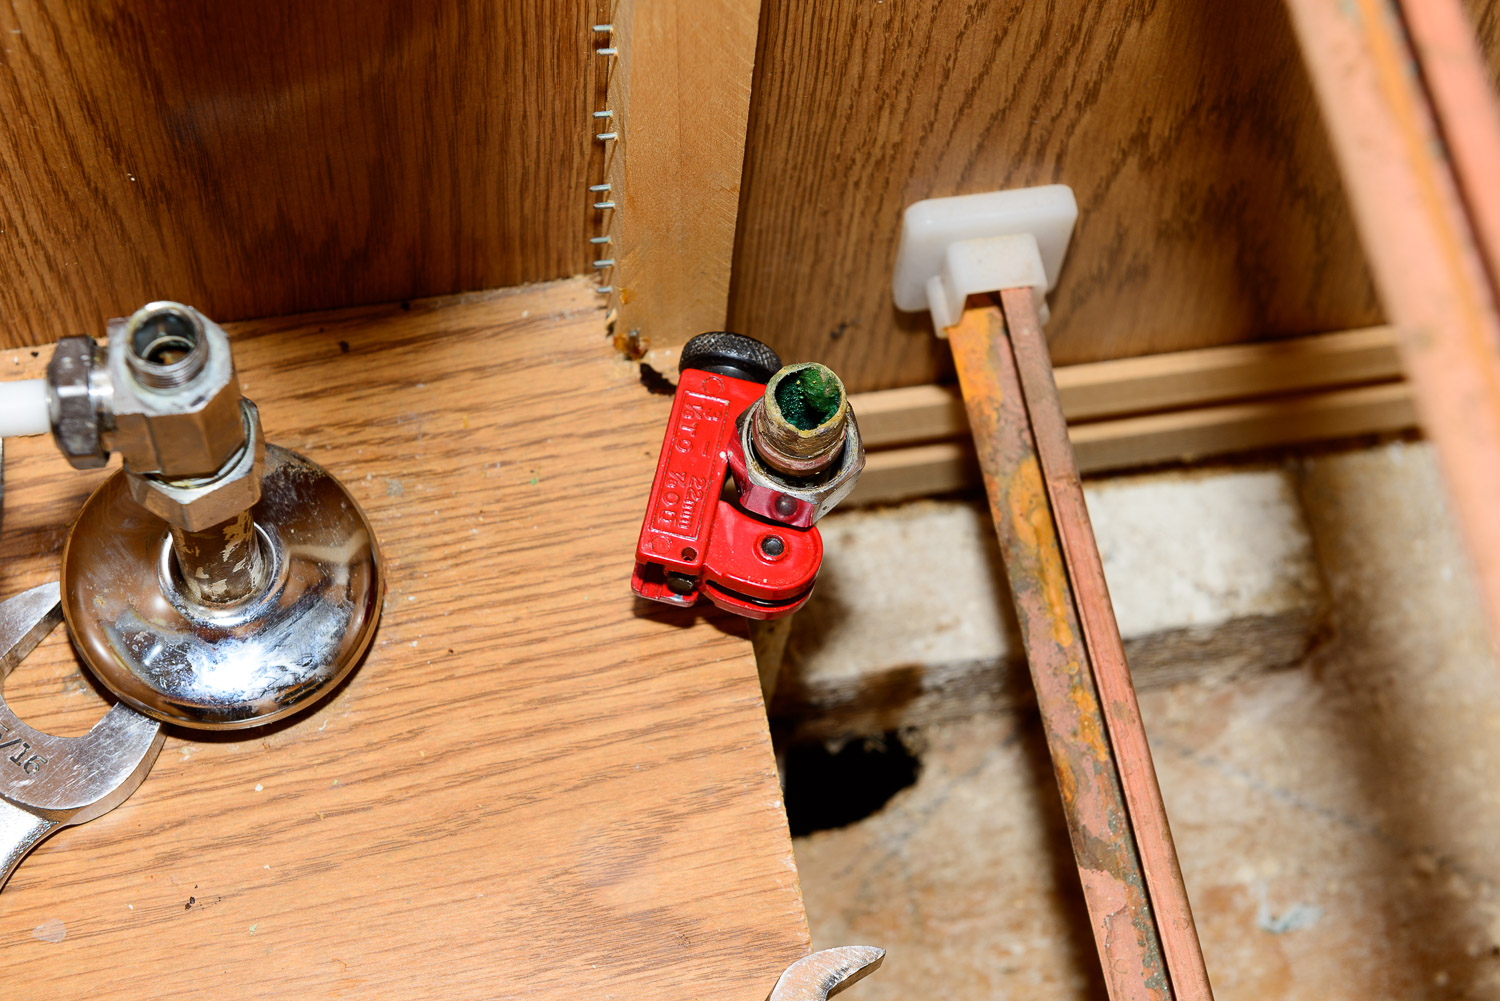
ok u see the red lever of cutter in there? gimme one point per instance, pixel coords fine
(696, 542)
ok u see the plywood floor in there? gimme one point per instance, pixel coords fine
(531, 788)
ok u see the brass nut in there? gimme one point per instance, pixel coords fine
(791, 500)
(798, 431)
(196, 504)
(175, 417)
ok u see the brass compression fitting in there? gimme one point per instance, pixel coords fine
(801, 424)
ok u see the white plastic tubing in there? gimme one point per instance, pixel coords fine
(23, 408)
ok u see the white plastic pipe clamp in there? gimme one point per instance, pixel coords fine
(952, 248)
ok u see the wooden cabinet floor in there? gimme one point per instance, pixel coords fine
(533, 787)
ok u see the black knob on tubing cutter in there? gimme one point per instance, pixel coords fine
(734, 355)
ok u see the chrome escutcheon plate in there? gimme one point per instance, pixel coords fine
(279, 649)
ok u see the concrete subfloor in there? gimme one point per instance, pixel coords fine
(1337, 820)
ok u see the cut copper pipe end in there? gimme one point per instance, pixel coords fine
(798, 427)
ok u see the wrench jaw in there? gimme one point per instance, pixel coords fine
(72, 780)
(48, 782)
(20, 832)
(137, 741)
(825, 973)
(25, 620)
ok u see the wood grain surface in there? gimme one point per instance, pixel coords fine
(258, 159)
(680, 91)
(531, 788)
(1179, 380)
(1210, 208)
(1174, 436)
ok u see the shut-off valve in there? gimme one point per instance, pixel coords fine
(216, 581)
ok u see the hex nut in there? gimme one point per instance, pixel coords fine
(190, 428)
(73, 375)
(765, 492)
(196, 504)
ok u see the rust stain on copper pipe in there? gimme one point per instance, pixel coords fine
(1106, 653)
(1094, 803)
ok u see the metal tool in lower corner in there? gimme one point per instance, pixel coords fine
(815, 977)
(48, 782)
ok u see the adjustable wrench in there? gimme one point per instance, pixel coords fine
(49, 782)
(814, 977)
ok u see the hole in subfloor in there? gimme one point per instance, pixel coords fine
(827, 789)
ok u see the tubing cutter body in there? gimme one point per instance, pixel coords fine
(694, 542)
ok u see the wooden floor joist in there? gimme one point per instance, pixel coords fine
(678, 98)
(1162, 408)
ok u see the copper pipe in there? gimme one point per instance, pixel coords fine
(1426, 244)
(1122, 714)
(1115, 884)
(221, 564)
(1458, 86)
